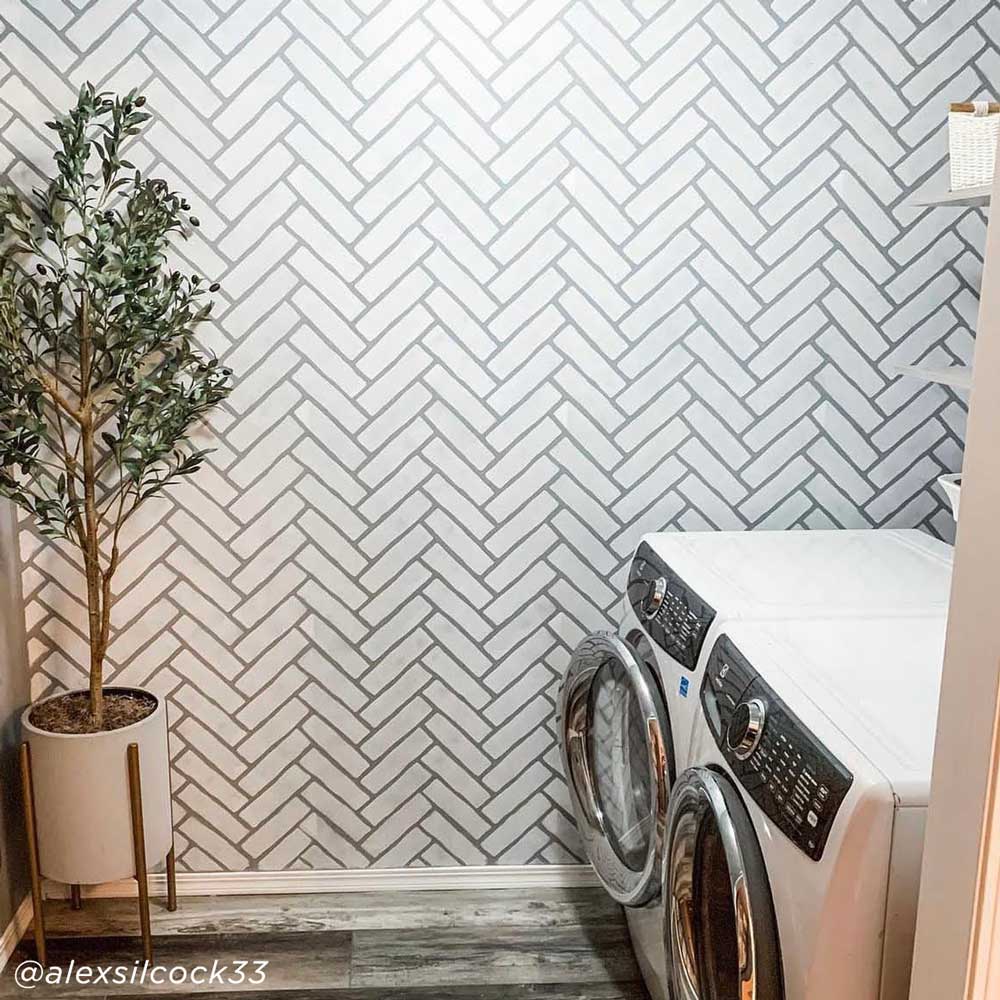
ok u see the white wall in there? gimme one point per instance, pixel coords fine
(506, 283)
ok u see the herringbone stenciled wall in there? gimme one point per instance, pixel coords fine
(506, 283)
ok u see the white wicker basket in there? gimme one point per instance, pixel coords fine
(973, 130)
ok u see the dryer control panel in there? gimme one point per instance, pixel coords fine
(675, 617)
(786, 770)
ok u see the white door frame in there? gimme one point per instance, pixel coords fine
(957, 948)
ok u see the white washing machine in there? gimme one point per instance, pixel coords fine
(794, 839)
(629, 701)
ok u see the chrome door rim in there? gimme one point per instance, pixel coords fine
(699, 795)
(626, 885)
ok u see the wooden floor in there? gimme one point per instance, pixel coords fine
(558, 944)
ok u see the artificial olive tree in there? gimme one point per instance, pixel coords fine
(101, 382)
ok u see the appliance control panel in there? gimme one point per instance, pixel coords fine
(796, 781)
(673, 615)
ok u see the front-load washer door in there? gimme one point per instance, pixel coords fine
(722, 935)
(617, 752)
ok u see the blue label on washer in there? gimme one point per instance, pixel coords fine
(684, 687)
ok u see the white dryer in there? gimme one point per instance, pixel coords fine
(794, 839)
(685, 588)
(629, 700)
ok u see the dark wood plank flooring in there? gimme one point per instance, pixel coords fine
(550, 944)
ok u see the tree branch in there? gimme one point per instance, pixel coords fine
(52, 391)
(95, 577)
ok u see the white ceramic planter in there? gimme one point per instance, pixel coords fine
(82, 809)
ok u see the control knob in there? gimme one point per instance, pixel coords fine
(654, 598)
(746, 727)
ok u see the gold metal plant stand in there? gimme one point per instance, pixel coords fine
(138, 849)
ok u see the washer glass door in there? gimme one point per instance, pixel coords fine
(615, 740)
(722, 935)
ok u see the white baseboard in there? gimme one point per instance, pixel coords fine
(14, 931)
(366, 880)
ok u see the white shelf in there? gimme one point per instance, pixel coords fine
(977, 197)
(951, 485)
(957, 376)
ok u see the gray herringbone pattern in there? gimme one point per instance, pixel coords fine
(507, 283)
